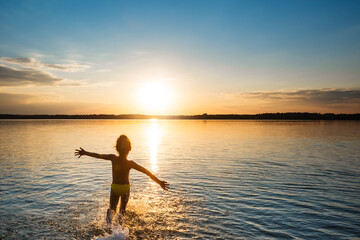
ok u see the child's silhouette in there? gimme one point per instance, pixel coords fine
(121, 167)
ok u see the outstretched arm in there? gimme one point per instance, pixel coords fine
(162, 184)
(95, 155)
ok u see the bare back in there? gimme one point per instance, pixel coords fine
(120, 170)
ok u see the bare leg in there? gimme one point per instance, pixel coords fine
(124, 201)
(114, 199)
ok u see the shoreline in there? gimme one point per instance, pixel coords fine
(261, 116)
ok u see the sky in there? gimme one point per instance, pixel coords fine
(179, 57)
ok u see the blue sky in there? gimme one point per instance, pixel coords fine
(219, 54)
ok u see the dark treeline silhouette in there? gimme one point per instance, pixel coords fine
(261, 116)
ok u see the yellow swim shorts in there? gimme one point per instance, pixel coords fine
(120, 189)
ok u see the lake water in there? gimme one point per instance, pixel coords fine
(229, 179)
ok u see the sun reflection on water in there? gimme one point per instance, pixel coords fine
(153, 136)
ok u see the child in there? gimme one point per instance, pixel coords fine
(121, 167)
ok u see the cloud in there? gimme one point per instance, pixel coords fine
(11, 99)
(103, 70)
(309, 100)
(70, 83)
(13, 103)
(20, 77)
(334, 97)
(35, 64)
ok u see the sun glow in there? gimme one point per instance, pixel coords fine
(154, 97)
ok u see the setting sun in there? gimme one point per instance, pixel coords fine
(154, 97)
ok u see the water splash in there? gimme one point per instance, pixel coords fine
(118, 233)
(149, 216)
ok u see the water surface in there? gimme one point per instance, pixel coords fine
(229, 179)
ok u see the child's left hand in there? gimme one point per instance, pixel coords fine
(164, 185)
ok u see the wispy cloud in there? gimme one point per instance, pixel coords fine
(312, 96)
(10, 99)
(103, 70)
(35, 64)
(308, 100)
(22, 71)
(13, 103)
(20, 77)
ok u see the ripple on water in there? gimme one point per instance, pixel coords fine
(229, 179)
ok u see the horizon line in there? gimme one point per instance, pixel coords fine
(204, 116)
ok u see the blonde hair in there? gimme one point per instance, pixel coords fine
(123, 145)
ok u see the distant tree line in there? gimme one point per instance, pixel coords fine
(261, 116)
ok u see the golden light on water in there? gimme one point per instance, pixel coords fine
(153, 135)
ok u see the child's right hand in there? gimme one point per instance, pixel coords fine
(79, 152)
(164, 185)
